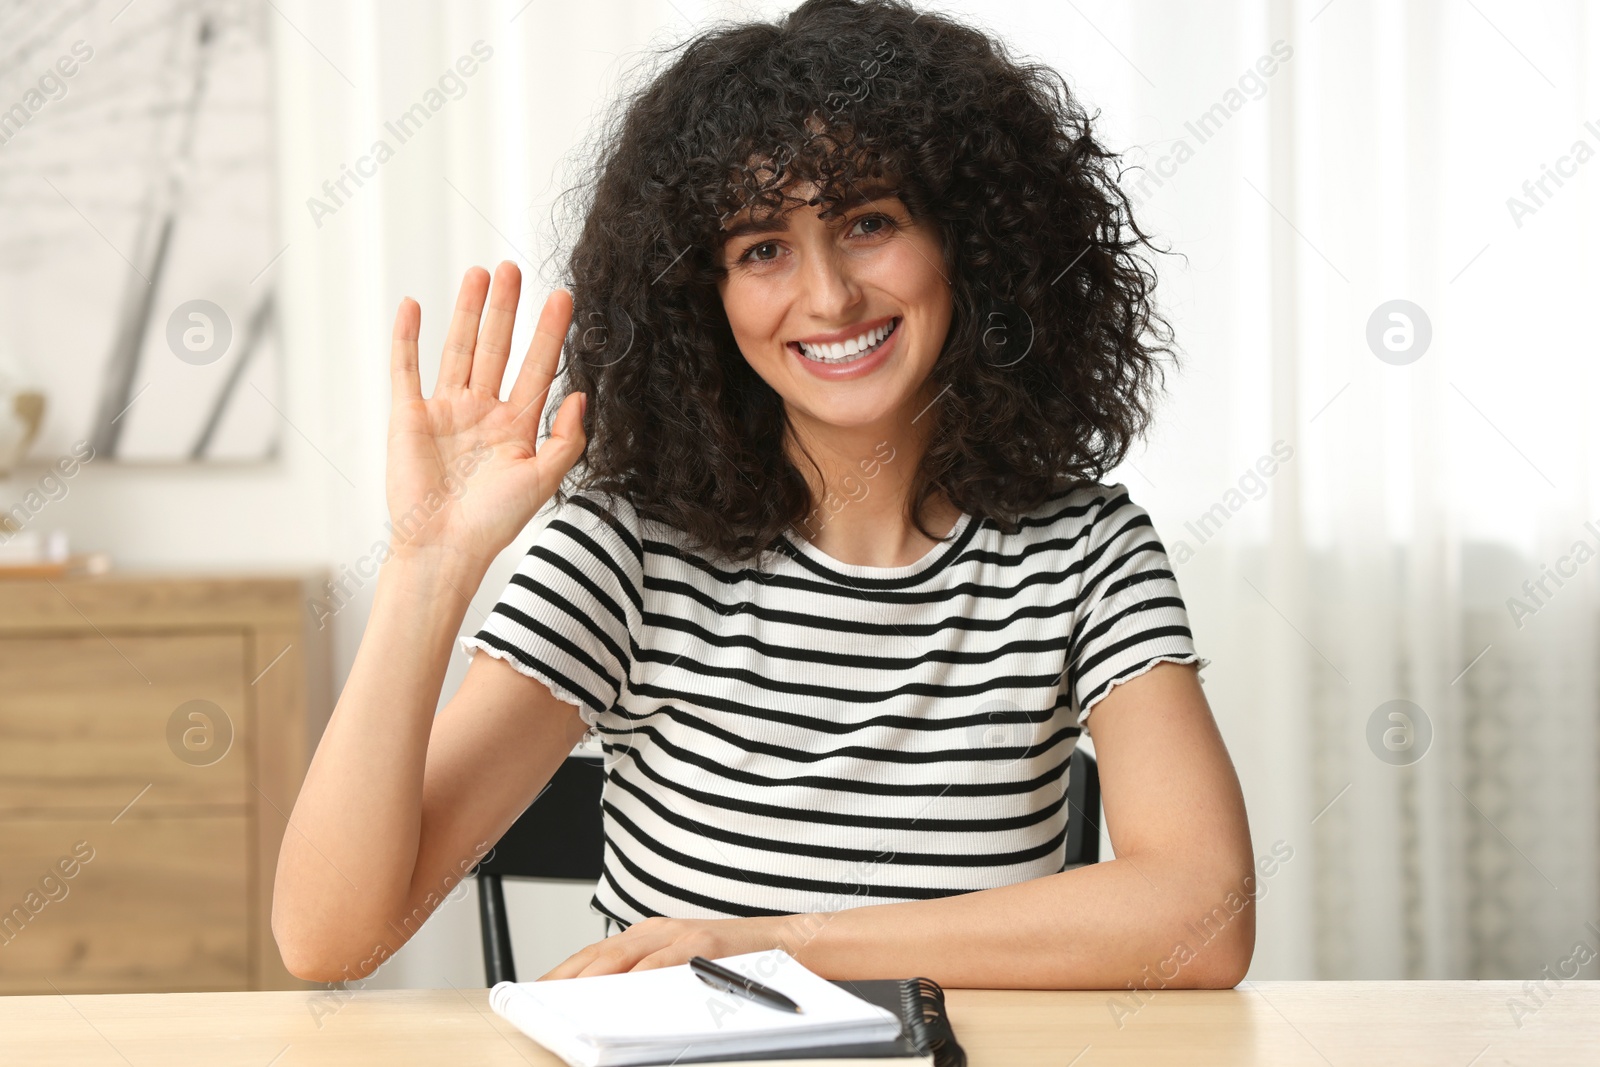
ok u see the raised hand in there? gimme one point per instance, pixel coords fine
(464, 475)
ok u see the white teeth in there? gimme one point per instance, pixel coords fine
(837, 353)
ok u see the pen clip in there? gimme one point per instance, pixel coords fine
(701, 964)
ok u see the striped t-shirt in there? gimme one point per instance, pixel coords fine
(814, 735)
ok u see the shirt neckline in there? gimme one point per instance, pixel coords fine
(858, 574)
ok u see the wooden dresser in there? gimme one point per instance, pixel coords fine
(154, 731)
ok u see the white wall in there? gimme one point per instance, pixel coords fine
(342, 70)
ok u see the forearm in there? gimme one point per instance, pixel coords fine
(1162, 920)
(349, 854)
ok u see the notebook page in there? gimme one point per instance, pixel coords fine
(670, 1007)
(832, 1061)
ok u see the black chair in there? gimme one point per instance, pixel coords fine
(1083, 811)
(559, 839)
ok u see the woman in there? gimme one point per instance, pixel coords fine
(857, 324)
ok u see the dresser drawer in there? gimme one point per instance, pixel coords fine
(90, 720)
(165, 722)
(150, 903)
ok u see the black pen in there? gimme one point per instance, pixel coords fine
(729, 981)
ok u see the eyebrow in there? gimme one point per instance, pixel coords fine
(746, 227)
(779, 223)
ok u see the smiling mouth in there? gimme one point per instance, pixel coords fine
(848, 351)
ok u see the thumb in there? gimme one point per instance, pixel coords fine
(566, 441)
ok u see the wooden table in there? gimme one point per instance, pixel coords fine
(1453, 1024)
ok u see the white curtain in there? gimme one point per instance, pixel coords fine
(1348, 530)
(1314, 162)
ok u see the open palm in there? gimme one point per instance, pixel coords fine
(464, 473)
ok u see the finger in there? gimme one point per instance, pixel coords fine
(569, 967)
(615, 954)
(671, 956)
(456, 364)
(564, 446)
(620, 958)
(404, 381)
(494, 340)
(538, 368)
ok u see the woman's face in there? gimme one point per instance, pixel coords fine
(843, 317)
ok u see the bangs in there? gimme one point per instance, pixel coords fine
(833, 165)
(790, 118)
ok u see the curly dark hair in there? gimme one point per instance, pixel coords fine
(1047, 373)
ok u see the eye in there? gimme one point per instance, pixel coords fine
(869, 225)
(765, 252)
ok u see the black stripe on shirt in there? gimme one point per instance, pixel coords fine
(840, 785)
(557, 639)
(777, 881)
(533, 663)
(837, 852)
(962, 754)
(926, 823)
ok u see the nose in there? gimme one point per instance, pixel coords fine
(831, 289)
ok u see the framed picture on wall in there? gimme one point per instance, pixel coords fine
(138, 237)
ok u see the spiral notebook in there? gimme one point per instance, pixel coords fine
(668, 1016)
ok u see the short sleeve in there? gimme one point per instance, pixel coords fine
(568, 613)
(1129, 615)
